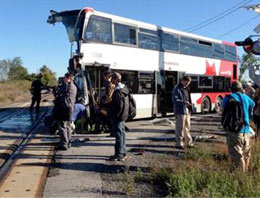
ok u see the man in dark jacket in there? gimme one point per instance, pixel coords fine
(119, 113)
(63, 109)
(36, 89)
(182, 107)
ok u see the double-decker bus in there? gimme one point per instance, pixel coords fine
(150, 58)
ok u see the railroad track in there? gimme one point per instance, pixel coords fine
(16, 148)
(5, 114)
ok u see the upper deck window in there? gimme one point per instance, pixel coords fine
(124, 34)
(230, 53)
(148, 39)
(99, 29)
(219, 51)
(170, 42)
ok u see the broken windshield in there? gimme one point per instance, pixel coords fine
(69, 20)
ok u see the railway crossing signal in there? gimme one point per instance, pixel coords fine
(249, 45)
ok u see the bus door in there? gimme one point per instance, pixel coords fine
(166, 80)
(95, 82)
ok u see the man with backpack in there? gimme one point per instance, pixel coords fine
(119, 112)
(237, 109)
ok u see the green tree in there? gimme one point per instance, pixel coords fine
(48, 77)
(16, 70)
(247, 60)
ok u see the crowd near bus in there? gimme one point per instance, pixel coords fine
(120, 64)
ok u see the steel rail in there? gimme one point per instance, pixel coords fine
(18, 147)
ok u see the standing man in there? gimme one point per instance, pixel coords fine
(119, 113)
(182, 108)
(63, 109)
(36, 89)
(239, 146)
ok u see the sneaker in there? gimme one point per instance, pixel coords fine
(117, 158)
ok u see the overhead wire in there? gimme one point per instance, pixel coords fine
(238, 27)
(218, 16)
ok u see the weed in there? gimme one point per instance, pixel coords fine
(201, 174)
(128, 181)
(139, 174)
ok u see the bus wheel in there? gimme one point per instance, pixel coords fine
(218, 104)
(205, 105)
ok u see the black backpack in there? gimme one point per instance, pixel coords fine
(233, 115)
(132, 108)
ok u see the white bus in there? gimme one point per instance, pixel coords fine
(150, 58)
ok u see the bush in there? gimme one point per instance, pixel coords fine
(203, 176)
(14, 91)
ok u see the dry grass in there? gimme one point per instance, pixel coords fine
(15, 91)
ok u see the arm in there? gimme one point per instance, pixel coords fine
(177, 97)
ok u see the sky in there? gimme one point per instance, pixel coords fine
(25, 33)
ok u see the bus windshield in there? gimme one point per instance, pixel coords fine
(99, 29)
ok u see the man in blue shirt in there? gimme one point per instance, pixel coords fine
(79, 113)
(239, 145)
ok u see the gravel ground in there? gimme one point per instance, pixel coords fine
(84, 170)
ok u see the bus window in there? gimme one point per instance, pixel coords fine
(124, 34)
(234, 72)
(170, 42)
(99, 29)
(129, 78)
(147, 41)
(227, 84)
(146, 83)
(194, 84)
(205, 82)
(230, 53)
(219, 84)
(218, 51)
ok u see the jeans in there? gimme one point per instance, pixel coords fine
(119, 134)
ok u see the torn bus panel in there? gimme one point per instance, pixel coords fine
(69, 20)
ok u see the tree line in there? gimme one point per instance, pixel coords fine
(13, 69)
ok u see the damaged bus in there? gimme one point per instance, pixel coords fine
(150, 58)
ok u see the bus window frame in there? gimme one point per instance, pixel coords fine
(205, 87)
(121, 43)
(161, 42)
(87, 23)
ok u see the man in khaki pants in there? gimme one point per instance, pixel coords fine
(182, 107)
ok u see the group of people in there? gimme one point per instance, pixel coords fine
(115, 110)
(239, 145)
(66, 110)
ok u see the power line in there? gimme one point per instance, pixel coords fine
(236, 28)
(218, 16)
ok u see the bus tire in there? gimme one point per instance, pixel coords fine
(205, 105)
(218, 103)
